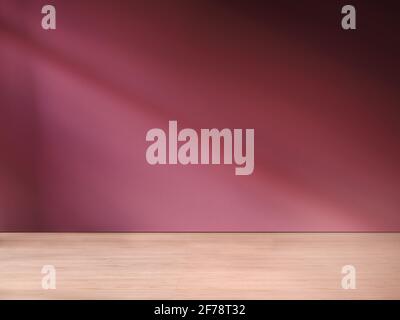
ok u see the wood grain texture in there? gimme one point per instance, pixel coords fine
(199, 266)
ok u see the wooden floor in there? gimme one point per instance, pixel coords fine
(199, 266)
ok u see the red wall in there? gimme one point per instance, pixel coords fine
(76, 104)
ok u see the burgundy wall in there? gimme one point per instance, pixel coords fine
(76, 104)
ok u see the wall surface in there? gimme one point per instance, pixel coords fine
(76, 104)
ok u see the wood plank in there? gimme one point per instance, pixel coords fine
(199, 265)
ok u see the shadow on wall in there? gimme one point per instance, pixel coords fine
(76, 105)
